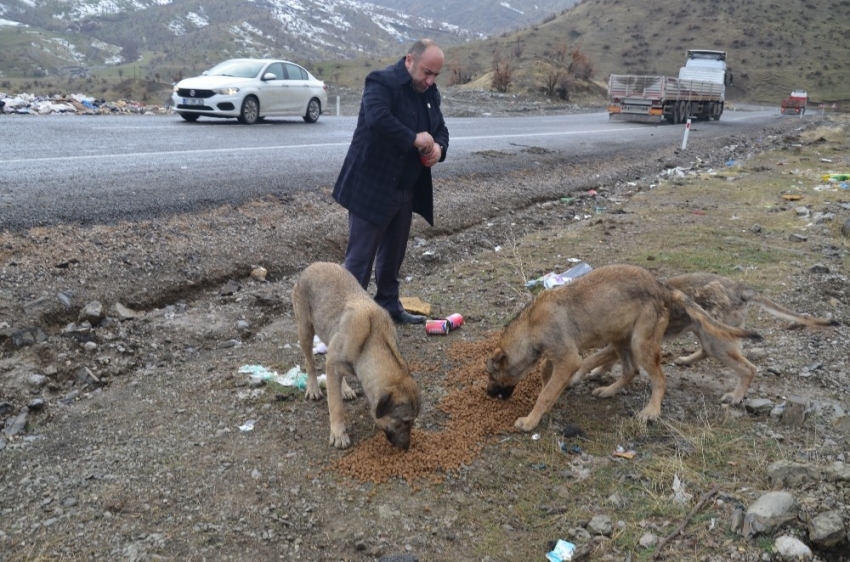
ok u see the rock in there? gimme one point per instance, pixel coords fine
(838, 472)
(758, 406)
(819, 268)
(229, 288)
(845, 228)
(769, 512)
(35, 405)
(792, 474)
(791, 549)
(737, 523)
(16, 425)
(36, 381)
(93, 313)
(795, 411)
(648, 540)
(600, 525)
(797, 237)
(756, 228)
(27, 337)
(259, 273)
(124, 313)
(842, 425)
(827, 529)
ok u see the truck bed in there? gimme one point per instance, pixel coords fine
(628, 87)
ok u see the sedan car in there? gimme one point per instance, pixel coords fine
(250, 90)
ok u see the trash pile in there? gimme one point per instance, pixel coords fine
(75, 104)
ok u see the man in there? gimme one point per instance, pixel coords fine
(386, 176)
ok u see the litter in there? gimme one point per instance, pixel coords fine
(248, 425)
(319, 347)
(562, 552)
(553, 279)
(293, 377)
(623, 453)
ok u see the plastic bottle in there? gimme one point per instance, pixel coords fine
(575, 271)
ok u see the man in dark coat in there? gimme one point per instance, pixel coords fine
(386, 176)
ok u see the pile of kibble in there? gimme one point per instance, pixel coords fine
(472, 418)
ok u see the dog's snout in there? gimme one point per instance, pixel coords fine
(499, 391)
(399, 440)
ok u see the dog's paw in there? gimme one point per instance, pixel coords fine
(313, 392)
(340, 440)
(648, 414)
(605, 391)
(525, 424)
(731, 398)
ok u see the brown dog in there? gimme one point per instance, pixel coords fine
(361, 340)
(623, 306)
(725, 300)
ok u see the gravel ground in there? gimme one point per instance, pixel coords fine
(127, 418)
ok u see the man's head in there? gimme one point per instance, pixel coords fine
(424, 62)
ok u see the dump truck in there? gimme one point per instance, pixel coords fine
(699, 91)
(795, 104)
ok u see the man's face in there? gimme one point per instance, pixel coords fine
(424, 71)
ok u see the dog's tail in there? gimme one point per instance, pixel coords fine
(708, 324)
(776, 309)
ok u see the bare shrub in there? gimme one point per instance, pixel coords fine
(502, 73)
(581, 66)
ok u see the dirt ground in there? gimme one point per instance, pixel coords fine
(132, 434)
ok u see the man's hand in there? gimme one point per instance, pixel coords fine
(428, 159)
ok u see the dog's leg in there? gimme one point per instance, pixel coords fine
(347, 392)
(598, 364)
(306, 331)
(649, 358)
(562, 371)
(629, 368)
(729, 352)
(336, 375)
(698, 355)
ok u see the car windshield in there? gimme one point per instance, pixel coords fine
(238, 68)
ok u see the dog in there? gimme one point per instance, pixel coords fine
(623, 306)
(725, 300)
(361, 339)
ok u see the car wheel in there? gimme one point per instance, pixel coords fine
(190, 117)
(313, 111)
(250, 112)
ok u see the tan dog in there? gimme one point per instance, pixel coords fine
(361, 340)
(623, 306)
(725, 300)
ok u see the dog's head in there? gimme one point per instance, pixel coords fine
(396, 411)
(505, 373)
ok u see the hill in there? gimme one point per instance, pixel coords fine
(139, 52)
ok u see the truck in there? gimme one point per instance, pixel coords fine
(699, 90)
(795, 104)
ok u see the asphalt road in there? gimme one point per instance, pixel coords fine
(99, 169)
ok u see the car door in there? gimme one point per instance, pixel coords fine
(298, 89)
(273, 92)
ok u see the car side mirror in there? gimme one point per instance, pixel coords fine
(269, 76)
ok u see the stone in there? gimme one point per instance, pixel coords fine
(845, 228)
(259, 273)
(827, 529)
(16, 425)
(769, 512)
(125, 313)
(791, 549)
(792, 474)
(758, 406)
(93, 313)
(648, 540)
(795, 411)
(600, 525)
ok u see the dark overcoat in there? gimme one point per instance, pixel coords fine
(381, 145)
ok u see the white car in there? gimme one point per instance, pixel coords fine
(250, 90)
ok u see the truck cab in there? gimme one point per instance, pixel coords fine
(708, 66)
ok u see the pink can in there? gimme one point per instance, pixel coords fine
(455, 320)
(437, 327)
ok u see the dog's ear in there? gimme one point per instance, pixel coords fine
(385, 406)
(494, 362)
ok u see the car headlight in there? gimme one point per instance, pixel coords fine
(226, 91)
(175, 88)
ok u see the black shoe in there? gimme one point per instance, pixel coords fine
(404, 317)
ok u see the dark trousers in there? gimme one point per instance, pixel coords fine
(383, 245)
